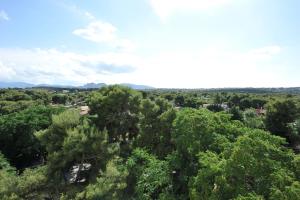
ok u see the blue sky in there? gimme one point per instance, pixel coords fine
(162, 43)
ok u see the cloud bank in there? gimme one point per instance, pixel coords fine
(178, 69)
(54, 66)
(214, 67)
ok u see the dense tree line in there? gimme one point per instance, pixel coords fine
(149, 145)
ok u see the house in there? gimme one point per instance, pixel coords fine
(261, 111)
(84, 110)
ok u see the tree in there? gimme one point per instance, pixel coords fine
(4, 164)
(14, 95)
(279, 115)
(294, 130)
(250, 196)
(219, 98)
(133, 147)
(155, 127)
(59, 99)
(192, 102)
(234, 100)
(39, 95)
(149, 178)
(197, 131)
(117, 110)
(72, 142)
(215, 108)
(236, 113)
(8, 107)
(245, 103)
(252, 120)
(31, 184)
(110, 184)
(17, 140)
(179, 100)
(258, 103)
(257, 163)
(7, 179)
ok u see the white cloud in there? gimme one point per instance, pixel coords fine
(213, 67)
(104, 32)
(4, 16)
(6, 72)
(98, 32)
(59, 67)
(165, 8)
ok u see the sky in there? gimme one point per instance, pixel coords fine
(160, 43)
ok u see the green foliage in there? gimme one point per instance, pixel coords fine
(8, 107)
(149, 178)
(39, 95)
(250, 196)
(4, 164)
(246, 101)
(294, 137)
(204, 184)
(155, 127)
(59, 99)
(17, 141)
(257, 162)
(31, 184)
(199, 130)
(53, 137)
(14, 95)
(215, 108)
(109, 184)
(219, 99)
(236, 113)
(71, 141)
(17, 100)
(147, 145)
(192, 102)
(179, 100)
(252, 120)
(279, 115)
(117, 110)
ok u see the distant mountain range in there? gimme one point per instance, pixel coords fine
(289, 90)
(15, 85)
(86, 86)
(137, 87)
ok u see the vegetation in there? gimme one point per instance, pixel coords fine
(153, 144)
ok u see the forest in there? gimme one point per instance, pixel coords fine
(120, 143)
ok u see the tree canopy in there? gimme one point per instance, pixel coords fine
(152, 144)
